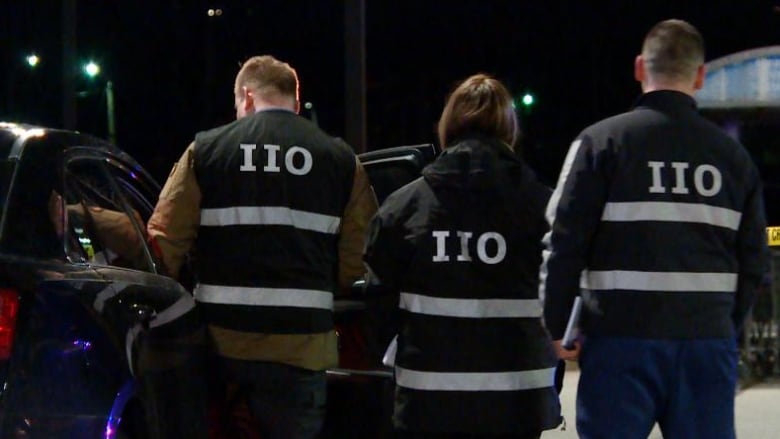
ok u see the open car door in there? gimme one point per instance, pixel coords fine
(360, 390)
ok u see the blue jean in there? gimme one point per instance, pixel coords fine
(287, 402)
(628, 384)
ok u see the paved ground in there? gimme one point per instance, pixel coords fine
(757, 411)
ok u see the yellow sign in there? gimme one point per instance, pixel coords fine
(773, 235)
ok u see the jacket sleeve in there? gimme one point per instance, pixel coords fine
(388, 252)
(173, 226)
(361, 207)
(573, 212)
(752, 253)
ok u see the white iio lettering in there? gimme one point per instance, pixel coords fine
(698, 180)
(482, 248)
(464, 246)
(290, 165)
(441, 246)
(272, 159)
(657, 187)
(464, 238)
(248, 149)
(272, 152)
(679, 179)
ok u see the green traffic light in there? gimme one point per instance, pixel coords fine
(528, 99)
(91, 69)
(32, 60)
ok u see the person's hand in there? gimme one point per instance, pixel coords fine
(567, 354)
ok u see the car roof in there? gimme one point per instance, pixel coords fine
(14, 136)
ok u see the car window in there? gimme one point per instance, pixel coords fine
(26, 225)
(103, 215)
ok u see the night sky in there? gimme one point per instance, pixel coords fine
(173, 66)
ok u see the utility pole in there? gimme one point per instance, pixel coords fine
(110, 112)
(355, 73)
(69, 105)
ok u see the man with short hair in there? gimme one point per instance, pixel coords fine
(277, 211)
(658, 217)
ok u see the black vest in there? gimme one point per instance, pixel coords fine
(274, 188)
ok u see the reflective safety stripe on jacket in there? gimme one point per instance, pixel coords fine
(672, 212)
(475, 381)
(659, 281)
(270, 215)
(271, 309)
(267, 243)
(296, 298)
(470, 308)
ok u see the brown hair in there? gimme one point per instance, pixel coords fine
(673, 49)
(479, 105)
(268, 77)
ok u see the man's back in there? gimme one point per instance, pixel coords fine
(665, 258)
(297, 181)
(664, 214)
(277, 212)
(274, 189)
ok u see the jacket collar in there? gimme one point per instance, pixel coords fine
(667, 101)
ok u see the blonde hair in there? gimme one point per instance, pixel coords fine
(479, 105)
(268, 77)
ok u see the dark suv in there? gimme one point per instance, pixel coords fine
(88, 328)
(96, 342)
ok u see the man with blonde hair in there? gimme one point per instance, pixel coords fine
(658, 218)
(277, 211)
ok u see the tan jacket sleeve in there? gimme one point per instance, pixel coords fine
(173, 226)
(360, 209)
(114, 231)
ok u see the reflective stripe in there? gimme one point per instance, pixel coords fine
(673, 212)
(552, 207)
(297, 298)
(111, 290)
(130, 337)
(182, 306)
(259, 216)
(555, 198)
(475, 381)
(659, 281)
(470, 308)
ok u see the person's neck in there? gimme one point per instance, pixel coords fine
(264, 105)
(658, 86)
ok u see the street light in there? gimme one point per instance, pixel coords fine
(528, 99)
(524, 102)
(14, 83)
(92, 69)
(312, 112)
(32, 60)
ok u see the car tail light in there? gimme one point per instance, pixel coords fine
(9, 307)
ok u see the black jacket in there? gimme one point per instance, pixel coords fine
(664, 213)
(462, 244)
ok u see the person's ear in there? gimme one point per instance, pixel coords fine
(700, 74)
(639, 69)
(249, 101)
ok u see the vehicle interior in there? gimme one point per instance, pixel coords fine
(361, 388)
